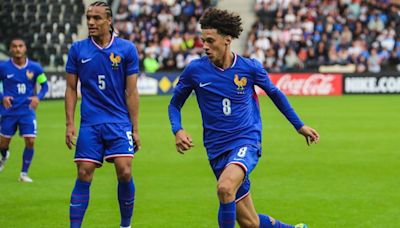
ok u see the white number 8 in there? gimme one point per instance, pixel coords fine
(242, 152)
(226, 106)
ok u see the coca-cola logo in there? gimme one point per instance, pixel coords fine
(315, 84)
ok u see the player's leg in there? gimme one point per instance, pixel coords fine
(4, 153)
(27, 129)
(81, 192)
(120, 150)
(228, 183)
(88, 156)
(126, 189)
(27, 157)
(8, 127)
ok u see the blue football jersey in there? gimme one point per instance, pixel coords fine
(19, 83)
(102, 73)
(228, 102)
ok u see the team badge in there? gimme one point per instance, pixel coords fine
(241, 83)
(29, 74)
(115, 60)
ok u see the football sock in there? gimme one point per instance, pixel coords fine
(27, 159)
(3, 152)
(126, 199)
(265, 222)
(227, 215)
(79, 203)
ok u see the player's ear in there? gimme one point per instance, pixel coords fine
(228, 40)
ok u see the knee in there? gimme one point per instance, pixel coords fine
(30, 142)
(85, 174)
(124, 174)
(226, 191)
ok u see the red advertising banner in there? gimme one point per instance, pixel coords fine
(307, 84)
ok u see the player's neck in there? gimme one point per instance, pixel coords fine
(226, 61)
(103, 41)
(19, 61)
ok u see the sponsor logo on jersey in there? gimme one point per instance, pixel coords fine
(115, 60)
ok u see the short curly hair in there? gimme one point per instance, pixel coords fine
(224, 22)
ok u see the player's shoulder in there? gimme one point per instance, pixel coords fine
(248, 62)
(35, 65)
(125, 43)
(198, 63)
(81, 43)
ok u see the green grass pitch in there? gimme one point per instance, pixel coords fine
(350, 179)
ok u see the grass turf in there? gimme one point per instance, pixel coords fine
(349, 179)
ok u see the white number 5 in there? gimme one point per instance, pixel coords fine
(102, 83)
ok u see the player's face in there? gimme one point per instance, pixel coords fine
(214, 44)
(18, 49)
(98, 21)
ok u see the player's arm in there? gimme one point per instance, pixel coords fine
(5, 100)
(132, 102)
(44, 87)
(71, 97)
(183, 140)
(282, 103)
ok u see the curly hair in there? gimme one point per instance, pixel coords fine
(224, 22)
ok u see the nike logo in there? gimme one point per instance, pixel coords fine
(130, 149)
(10, 75)
(129, 203)
(75, 205)
(204, 84)
(85, 60)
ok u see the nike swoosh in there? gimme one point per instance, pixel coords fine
(204, 84)
(86, 60)
(130, 149)
(10, 75)
(74, 205)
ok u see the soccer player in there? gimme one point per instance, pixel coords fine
(19, 76)
(224, 85)
(107, 68)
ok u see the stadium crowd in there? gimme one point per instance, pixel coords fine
(288, 34)
(296, 35)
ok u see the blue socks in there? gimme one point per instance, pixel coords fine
(126, 199)
(27, 159)
(265, 222)
(79, 203)
(3, 153)
(227, 215)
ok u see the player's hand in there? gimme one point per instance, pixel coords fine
(310, 134)
(34, 102)
(70, 136)
(136, 138)
(7, 102)
(183, 141)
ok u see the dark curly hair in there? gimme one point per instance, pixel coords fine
(224, 22)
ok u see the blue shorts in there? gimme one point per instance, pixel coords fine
(104, 141)
(25, 123)
(244, 156)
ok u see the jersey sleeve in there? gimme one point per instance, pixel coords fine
(132, 61)
(181, 93)
(72, 62)
(277, 96)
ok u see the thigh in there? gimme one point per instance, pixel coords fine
(246, 213)
(8, 126)
(118, 141)
(27, 126)
(89, 146)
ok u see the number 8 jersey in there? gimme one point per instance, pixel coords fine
(102, 73)
(228, 102)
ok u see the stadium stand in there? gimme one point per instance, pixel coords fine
(47, 26)
(303, 35)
